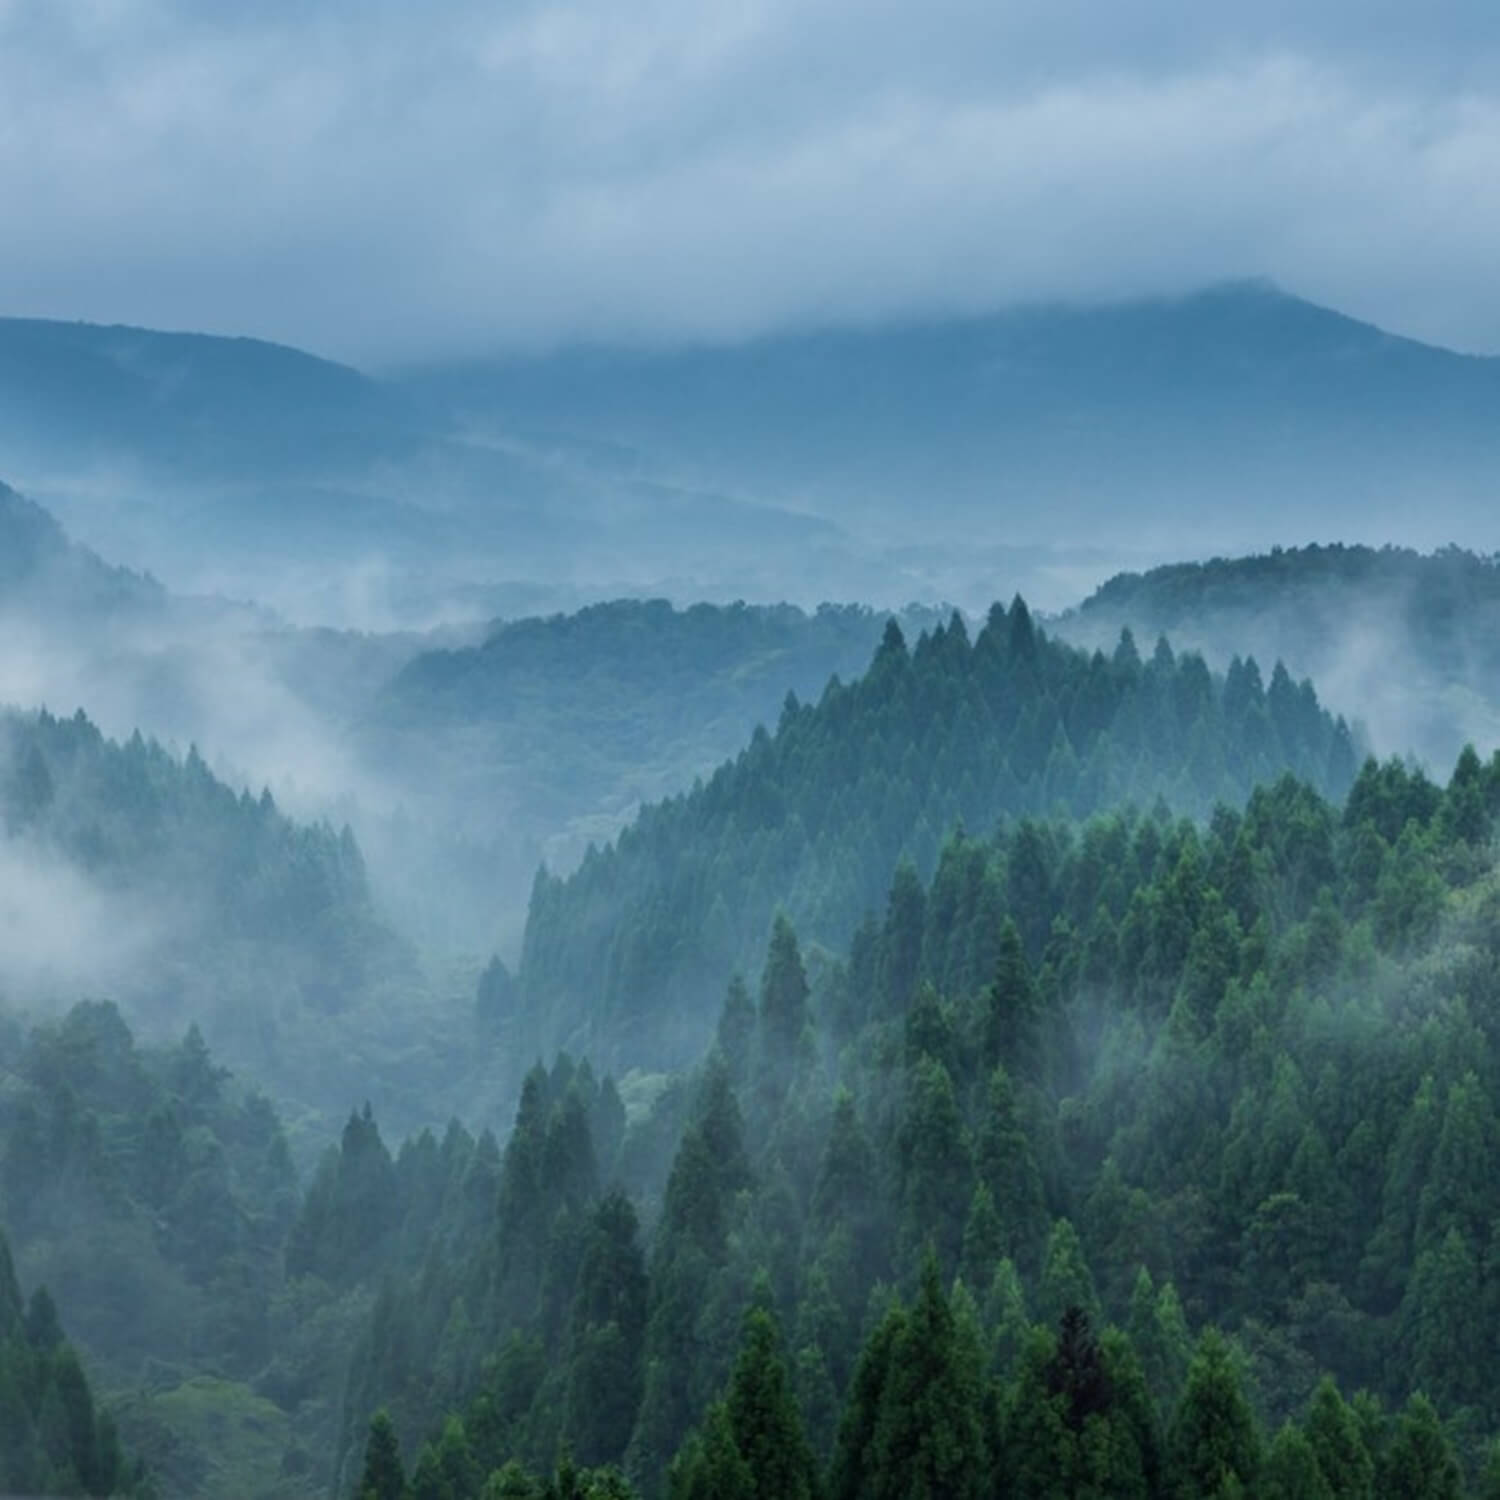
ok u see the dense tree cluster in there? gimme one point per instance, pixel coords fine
(156, 1194)
(637, 672)
(549, 733)
(622, 954)
(1444, 596)
(213, 907)
(53, 1439)
(1108, 1153)
(136, 817)
(945, 1220)
(1409, 642)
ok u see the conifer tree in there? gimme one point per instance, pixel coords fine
(764, 1416)
(929, 1433)
(384, 1477)
(1213, 1449)
(1418, 1462)
(1291, 1469)
(1333, 1432)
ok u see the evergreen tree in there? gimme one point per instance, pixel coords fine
(1418, 1463)
(929, 1432)
(710, 1466)
(763, 1415)
(783, 998)
(384, 1477)
(1011, 1038)
(1213, 1448)
(1333, 1432)
(1066, 1283)
(1291, 1469)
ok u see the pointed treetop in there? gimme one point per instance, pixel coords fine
(892, 642)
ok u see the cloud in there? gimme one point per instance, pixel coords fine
(62, 935)
(388, 182)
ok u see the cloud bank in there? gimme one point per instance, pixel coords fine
(388, 182)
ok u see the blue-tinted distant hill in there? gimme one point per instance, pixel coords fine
(234, 464)
(42, 570)
(194, 403)
(560, 727)
(1235, 415)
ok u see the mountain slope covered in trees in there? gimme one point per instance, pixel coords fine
(1405, 641)
(54, 1440)
(549, 734)
(128, 871)
(1194, 1201)
(623, 955)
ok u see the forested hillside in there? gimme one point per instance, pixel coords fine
(1407, 642)
(1165, 1175)
(550, 733)
(622, 958)
(154, 1197)
(53, 1439)
(127, 870)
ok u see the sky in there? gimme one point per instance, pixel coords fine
(388, 182)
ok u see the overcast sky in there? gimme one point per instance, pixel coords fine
(385, 180)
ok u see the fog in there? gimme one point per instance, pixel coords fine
(64, 936)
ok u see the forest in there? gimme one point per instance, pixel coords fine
(813, 817)
(1105, 1149)
(1402, 640)
(1175, 1182)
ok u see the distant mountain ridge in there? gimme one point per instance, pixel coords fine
(1144, 417)
(258, 469)
(920, 461)
(188, 400)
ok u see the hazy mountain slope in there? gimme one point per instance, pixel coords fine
(129, 873)
(188, 403)
(41, 570)
(549, 735)
(462, 757)
(1409, 644)
(1152, 421)
(1040, 448)
(240, 466)
(627, 956)
(53, 1440)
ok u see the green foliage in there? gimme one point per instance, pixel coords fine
(1418, 1461)
(53, 1439)
(209, 905)
(1247, 1112)
(384, 1475)
(1410, 637)
(811, 818)
(1214, 1448)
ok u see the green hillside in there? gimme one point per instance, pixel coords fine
(623, 958)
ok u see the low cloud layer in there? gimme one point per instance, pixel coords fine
(63, 935)
(387, 182)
